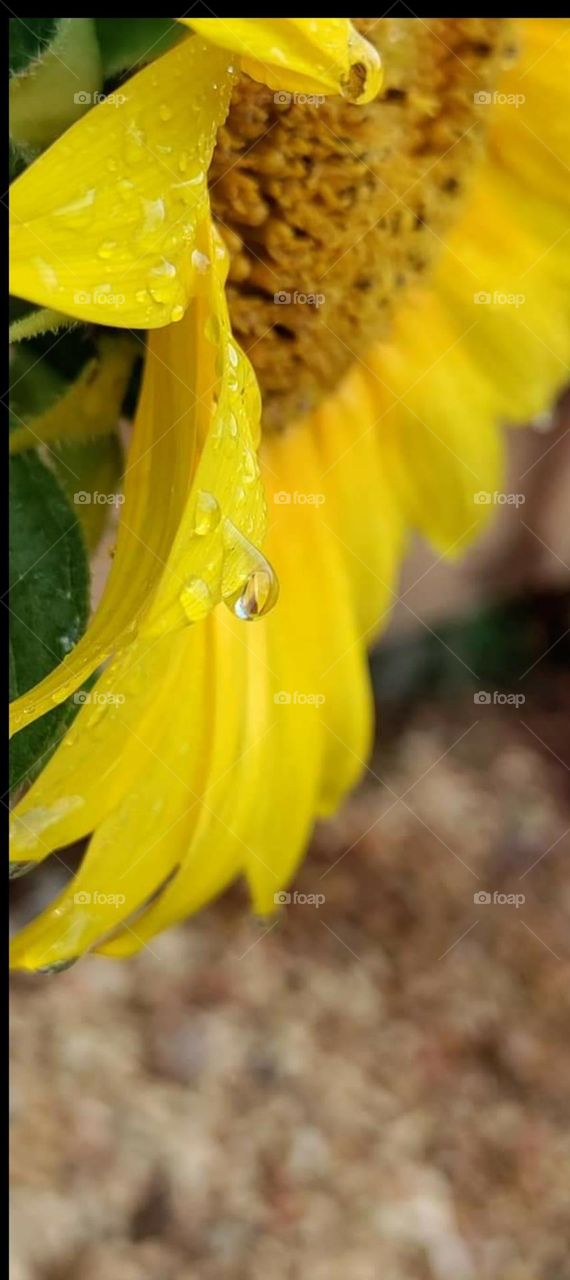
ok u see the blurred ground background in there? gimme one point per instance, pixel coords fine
(377, 1088)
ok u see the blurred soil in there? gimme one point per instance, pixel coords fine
(372, 1089)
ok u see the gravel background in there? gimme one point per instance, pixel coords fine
(375, 1089)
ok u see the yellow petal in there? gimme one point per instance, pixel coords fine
(104, 223)
(137, 799)
(489, 341)
(102, 752)
(194, 510)
(299, 55)
(302, 700)
(231, 739)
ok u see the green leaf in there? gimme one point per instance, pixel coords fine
(48, 600)
(127, 43)
(57, 75)
(29, 39)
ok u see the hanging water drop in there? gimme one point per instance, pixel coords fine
(258, 587)
(257, 597)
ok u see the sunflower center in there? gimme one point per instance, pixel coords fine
(329, 210)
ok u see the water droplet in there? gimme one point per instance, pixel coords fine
(200, 262)
(59, 966)
(163, 268)
(125, 188)
(77, 212)
(134, 146)
(258, 585)
(188, 190)
(250, 467)
(233, 356)
(196, 599)
(207, 513)
(165, 112)
(158, 294)
(107, 248)
(17, 869)
(154, 212)
(257, 597)
(47, 273)
(177, 313)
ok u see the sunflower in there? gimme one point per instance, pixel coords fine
(368, 226)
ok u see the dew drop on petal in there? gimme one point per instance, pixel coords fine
(134, 146)
(154, 213)
(125, 188)
(207, 513)
(200, 262)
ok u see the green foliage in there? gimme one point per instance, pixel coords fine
(48, 600)
(29, 38)
(128, 43)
